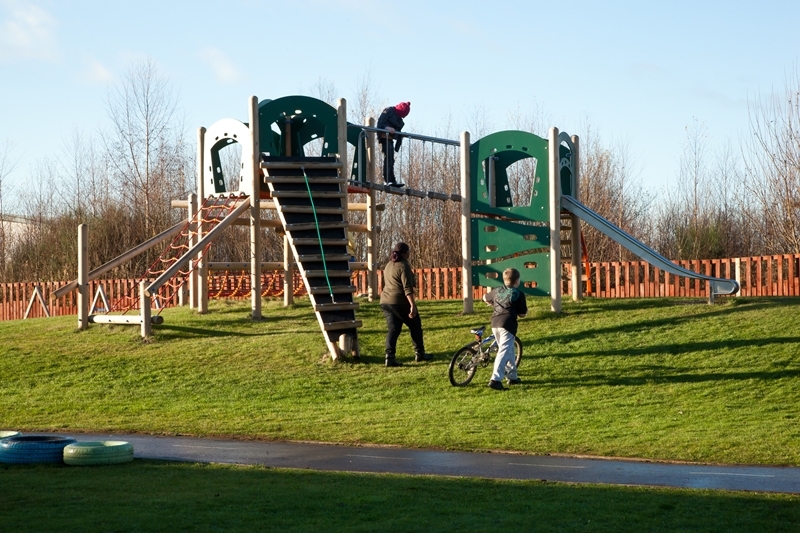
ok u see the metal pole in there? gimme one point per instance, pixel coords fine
(144, 310)
(575, 224)
(372, 219)
(255, 212)
(288, 272)
(437, 140)
(555, 223)
(83, 276)
(201, 281)
(466, 233)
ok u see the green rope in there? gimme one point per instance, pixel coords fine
(319, 235)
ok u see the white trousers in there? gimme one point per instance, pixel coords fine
(504, 362)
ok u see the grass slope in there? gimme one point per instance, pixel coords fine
(659, 378)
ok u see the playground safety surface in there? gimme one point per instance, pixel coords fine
(560, 468)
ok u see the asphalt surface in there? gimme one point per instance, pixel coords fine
(442, 463)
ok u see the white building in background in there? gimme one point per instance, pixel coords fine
(13, 227)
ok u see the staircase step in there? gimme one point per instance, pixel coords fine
(331, 273)
(304, 194)
(348, 324)
(302, 179)
(315, 242)
(309, 209)
(336, 290)
(328, 257)
(313, 225)
(297, 164)
(336, 307)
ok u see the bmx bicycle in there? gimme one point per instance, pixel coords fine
(480, 353)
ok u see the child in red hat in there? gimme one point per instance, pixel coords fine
(391, 120)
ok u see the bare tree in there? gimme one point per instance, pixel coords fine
(609, 186)
(146, 147)
(6, 167)
(772, 167)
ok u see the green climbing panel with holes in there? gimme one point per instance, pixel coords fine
(510, 186)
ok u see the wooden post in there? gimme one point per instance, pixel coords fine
(255, 212)
(144, 310)
(575, 223)
(372, 234)
(738, 276)
(288, 272)
(191, 212)
(466, 237)
(555, 222)
(341, 133)
(83, 276)
(201, 273)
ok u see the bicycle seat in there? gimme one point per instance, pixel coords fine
(478, 331)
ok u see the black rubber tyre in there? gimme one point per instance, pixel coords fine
(463, 366)
(33, 449)
(107, 452)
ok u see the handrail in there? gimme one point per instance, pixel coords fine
(408, 135)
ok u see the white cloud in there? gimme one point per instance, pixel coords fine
(224, 69)
(26, 32)
(95, 72)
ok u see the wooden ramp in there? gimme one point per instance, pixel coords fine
(311, 199)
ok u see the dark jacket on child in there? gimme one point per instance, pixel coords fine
(508, 304)
(390, 119)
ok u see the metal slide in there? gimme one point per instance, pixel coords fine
(718, 285)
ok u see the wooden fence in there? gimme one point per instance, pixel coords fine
(769, 275)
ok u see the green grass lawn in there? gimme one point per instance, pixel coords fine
(670, 379)
(146, 496)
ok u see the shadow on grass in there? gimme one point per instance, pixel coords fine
(643, 325)
(599, 380)
(194, 497)
(679, 349)
(184, 332)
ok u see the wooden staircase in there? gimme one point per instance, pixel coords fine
(310, 195)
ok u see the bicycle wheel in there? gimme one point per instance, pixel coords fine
(463, 366)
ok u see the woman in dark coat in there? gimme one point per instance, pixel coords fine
(399, 307)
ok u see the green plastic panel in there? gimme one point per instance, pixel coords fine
(309, 119)
(534, 270)
(509, 147)
(494, 239)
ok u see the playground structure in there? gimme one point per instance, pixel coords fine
(310, 196)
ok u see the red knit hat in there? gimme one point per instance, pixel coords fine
(403, 108)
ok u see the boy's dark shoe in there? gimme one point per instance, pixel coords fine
(496, 385)
(514, 381)
(422, 357)
(391, 361)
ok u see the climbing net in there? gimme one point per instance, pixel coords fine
(211, 213)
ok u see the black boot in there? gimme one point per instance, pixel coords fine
(419, 357)
(391, 361)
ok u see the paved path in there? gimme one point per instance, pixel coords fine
(486, 465)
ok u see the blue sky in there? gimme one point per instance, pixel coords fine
(637, 72)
